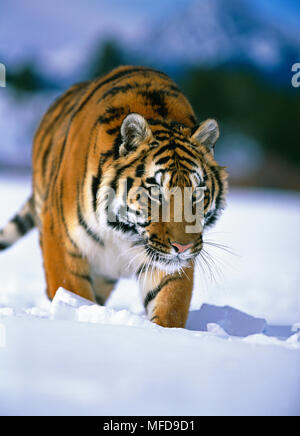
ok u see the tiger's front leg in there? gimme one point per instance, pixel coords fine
(64, 265)
(167, 297)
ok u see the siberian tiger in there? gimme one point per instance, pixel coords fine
(129, 129)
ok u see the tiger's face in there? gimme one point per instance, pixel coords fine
(168, 188)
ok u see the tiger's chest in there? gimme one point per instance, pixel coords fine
(115, 258)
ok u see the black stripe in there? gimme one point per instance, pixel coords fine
(109, 281)
(164, 148)
(23, 223)
(219, 198)
(63, 112)
(82, 277)
(140, 170)
(113, 131)
(151, 180)
(83, 223)
(194, 120)
(114, 152)
(85, 226)
(205, 176)
(100, 300)
(75, 255)
(62, 214)
(212, 187)
(157, 100)
(213, 215)
(161, 132)
(111, 114)
(173, 175)
(206, 200)
(18, 222)
(121, 74)
(123, 89)
(186, 150)
(95, 184)
(116, 90)
(139, 271)
(163, 160)
(182, 166)
(182, 159)
(220, 186)
(129, 183)
(173, 126)
(45, 159)
(123, 168)
(162, 137)
(29, 220)
(49, 184)
(79, 109)
(152, 294)
(145, 224)
(208, 176)
(57, 162)
(122, 227)
(156, 122)
(4, 245)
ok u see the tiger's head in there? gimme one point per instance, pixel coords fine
(166, 188)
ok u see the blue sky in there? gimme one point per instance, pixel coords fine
(285, 11)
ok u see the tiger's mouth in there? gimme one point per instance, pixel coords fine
(165, 259)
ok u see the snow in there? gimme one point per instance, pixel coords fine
(239, 355)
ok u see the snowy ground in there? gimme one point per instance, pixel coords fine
(74, 358)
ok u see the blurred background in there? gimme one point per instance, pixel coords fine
(232, 58)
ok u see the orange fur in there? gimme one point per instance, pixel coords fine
(78, 148)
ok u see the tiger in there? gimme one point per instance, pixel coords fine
(131, 128)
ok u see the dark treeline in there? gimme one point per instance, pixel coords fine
(241, 98)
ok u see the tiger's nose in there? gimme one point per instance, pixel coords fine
(181, 248)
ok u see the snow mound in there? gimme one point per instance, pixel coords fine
(224, 322)
(69, 306)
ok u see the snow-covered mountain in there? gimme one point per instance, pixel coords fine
(216, 32)
(210, 32)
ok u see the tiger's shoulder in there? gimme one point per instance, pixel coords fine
(96, 108)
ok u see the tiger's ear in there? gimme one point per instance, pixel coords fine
(134, 131)
(207, 134)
